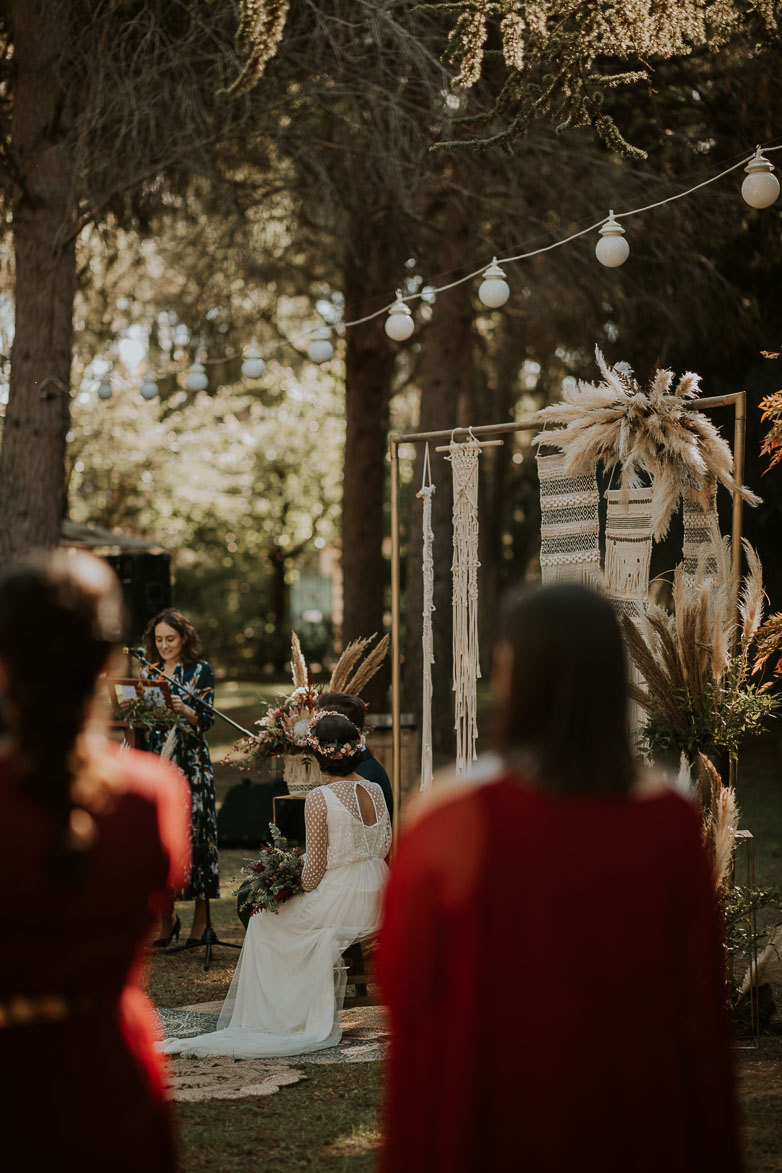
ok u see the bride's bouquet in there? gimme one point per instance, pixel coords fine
(274, 876)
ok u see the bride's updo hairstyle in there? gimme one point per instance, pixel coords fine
(563, 717)
(336, 743)
(60, 616)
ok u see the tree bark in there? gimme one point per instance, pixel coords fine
(369, 368)
(445, 376)
(32, 462)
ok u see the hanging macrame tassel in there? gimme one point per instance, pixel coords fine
(427, 637)
(628, 548)
(466, 665)
(569, 526)
(628, 556)
(700, 526)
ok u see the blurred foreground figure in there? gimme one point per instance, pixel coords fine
(94, 839)
(551, 950)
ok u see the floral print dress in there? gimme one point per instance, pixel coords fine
(191, 754)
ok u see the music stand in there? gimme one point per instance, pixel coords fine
(124, 689)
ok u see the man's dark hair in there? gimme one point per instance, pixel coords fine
(343, 702)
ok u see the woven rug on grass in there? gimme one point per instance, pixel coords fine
(364, 1037)
(223, 1078)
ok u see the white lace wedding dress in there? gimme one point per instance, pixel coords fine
(287, 991)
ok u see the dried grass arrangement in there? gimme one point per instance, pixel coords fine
(648, 433)
(696, 662)
(284, 729)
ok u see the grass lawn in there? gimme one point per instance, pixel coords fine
(329, 1121)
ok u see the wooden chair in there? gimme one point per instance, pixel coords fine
(359, 975)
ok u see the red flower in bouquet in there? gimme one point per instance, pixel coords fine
(275, 876)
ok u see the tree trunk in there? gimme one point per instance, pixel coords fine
(445, 376)
(369, 368)
(32, 462)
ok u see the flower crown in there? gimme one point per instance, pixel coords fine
(332, 750)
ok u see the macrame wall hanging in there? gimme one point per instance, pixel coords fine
(628, 549)
(464, 568)
(628, 535)
(569, 526)
(427, 638)
(700, 526)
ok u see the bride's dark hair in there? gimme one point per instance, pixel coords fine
(60, 616)
(565, 712)
(333, 732)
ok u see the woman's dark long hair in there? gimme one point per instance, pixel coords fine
(60, 617)
(334, 732)
(191, 644)
(566, 708)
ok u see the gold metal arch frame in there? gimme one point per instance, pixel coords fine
(738, 400)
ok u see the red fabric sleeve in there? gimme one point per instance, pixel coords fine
(705, 1025)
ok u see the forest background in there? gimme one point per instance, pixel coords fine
(156, 212)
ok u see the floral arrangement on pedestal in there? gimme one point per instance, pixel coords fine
(284, 730)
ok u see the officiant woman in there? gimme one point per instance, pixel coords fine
(551, 952)
(173, 649)
(94, 839)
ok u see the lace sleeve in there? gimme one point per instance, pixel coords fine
(317, 839)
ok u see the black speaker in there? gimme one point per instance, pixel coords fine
(146, 588)
(246, 811)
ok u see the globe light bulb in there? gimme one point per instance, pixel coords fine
(197, 378)
(612, 249)
(761, 187)
(320, 349)
(148, 389)
(493, 290)
(105, 390)
(253, 365)
(399, 324)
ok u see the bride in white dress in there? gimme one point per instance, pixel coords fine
(287, 992)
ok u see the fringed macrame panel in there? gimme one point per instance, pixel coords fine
(466, 666)
(628, 548)
(427, 637)
(628, 555)
(569, 528)
(700, 527)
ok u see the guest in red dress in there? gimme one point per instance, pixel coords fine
(94, 840)
(551, 951)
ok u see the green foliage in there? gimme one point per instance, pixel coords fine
(274, 876)
(722, 718)
(139, 714)
(739, 907)
(243, 497)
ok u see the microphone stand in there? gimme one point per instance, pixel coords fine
(209, 937)
(137, 654)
